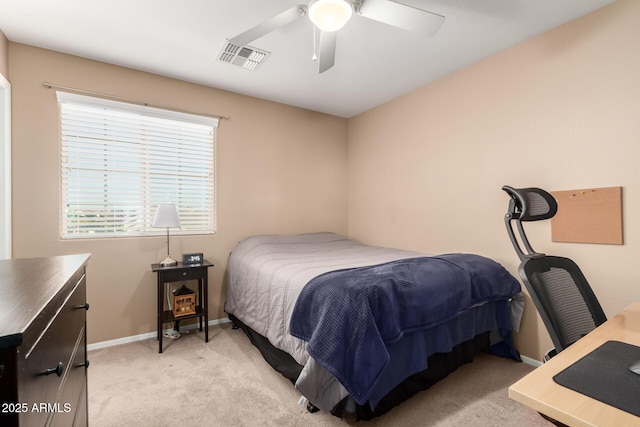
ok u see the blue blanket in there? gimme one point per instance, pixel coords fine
(350, 318)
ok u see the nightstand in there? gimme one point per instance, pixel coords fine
(182, 273)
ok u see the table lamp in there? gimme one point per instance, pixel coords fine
(167, 217)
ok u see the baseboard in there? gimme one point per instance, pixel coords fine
(530, 361)
(125, 340)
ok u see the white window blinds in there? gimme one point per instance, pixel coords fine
(119, 161)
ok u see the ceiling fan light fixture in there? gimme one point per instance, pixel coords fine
(330, 15)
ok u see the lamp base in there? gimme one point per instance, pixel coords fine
(168, 261)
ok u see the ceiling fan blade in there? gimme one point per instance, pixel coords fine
(280, 20)
(402, 16)
(327, 56)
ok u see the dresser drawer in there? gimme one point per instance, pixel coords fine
(71, 408)
(183, 275)
(47, 363)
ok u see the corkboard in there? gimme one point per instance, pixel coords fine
(591, 215)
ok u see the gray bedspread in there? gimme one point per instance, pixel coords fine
(267, 273)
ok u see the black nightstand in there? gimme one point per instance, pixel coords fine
(181, 273)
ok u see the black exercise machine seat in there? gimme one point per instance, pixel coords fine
(561, 293)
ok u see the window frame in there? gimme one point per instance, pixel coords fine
(5, 163)
(143, 214)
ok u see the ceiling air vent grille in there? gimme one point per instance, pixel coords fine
(243, 56)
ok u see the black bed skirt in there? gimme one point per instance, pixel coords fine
(440, 365)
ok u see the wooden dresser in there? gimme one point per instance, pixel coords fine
(43, 347)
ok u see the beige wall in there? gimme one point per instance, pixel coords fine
(560, 111)
(280, 170)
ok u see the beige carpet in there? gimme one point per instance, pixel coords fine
(227, 383)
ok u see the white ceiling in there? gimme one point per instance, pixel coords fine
(374, 62)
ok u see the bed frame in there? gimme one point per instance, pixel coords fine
(440, 365)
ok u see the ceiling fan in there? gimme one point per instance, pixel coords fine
(331, 15)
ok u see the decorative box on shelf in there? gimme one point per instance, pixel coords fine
(184, 302)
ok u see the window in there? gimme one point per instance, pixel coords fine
(120, 161)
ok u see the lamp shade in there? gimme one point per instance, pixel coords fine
(166, 217)
(330, 15)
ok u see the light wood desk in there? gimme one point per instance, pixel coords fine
(538, 390)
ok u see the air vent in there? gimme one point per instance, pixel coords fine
(243, 56)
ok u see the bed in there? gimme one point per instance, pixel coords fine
(360, 328)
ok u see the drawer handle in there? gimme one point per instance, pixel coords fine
(85, 306)
(184, 273)
(58, 370)
(85, 364)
